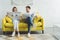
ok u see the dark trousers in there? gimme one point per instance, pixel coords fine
(29, 22)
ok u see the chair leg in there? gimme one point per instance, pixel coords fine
(4, 33)
(42, 31)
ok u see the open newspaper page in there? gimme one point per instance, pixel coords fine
(14, 15)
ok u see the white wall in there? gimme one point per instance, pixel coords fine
(52, 12)
(49, 10)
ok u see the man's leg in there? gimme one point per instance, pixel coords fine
(28, 21)
(28, 30)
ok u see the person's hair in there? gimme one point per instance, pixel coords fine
(13, 8)
(28, 7)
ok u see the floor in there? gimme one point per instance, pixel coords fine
(54, 31)
(33, 37)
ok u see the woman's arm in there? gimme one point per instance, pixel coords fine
(9, 15)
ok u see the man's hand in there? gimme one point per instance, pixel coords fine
(35, 16)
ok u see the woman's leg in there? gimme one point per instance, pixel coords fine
(18, 27)
(14, 22)
(13, 34)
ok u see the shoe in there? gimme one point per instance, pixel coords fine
(13, 34)
(29, 35)
(18, 34)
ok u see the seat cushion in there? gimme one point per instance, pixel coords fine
(20, 25)
(23, 25)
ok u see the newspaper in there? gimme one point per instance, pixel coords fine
(14, 15)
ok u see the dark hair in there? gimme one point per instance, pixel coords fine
(13, 9)
(28, 7)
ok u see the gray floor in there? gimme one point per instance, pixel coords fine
(55, 31)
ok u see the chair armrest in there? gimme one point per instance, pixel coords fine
(8, 19)
(42, 20)
(37, 19)
(3, 21)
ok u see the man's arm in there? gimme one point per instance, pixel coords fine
(23, 16)
(33, 15)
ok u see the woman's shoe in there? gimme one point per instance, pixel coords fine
(13, 34)
(18, 34)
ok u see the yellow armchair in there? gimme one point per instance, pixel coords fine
(7, 25)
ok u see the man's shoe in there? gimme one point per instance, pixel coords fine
(29, 35)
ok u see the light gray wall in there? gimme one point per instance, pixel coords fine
(49, 10)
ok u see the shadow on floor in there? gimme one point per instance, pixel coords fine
(24, 32)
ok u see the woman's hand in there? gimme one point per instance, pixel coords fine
(7, 14)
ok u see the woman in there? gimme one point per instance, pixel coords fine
(15, 22)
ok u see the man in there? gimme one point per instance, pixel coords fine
(29, 18)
